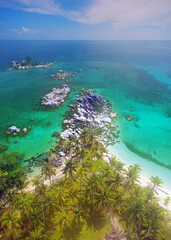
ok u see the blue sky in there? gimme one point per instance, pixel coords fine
(85, 19)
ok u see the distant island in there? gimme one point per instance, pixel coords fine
(28, 63)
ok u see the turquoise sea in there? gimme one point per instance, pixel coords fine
(133, 75)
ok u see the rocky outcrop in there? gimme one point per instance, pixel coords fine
(129, 117)
(28, 63)
(56, 97)
(93, 110)
(54, 160)
(14, 129)
(61, 75)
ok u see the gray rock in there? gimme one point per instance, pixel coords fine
(107, 120)
(56, 97)
(62, 154)
(14, 129)
(54, 160)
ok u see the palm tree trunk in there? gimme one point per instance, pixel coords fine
(81, 188)
(5, 233)
(16, 233)
(126, 187)
(43, 216)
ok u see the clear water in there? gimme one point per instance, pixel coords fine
(131, 74)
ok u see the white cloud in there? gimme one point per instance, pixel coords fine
(24, 30)
(125, 13)
(120, 13)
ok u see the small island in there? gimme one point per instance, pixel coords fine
(28, 63)
(55, 97)
(61, 75)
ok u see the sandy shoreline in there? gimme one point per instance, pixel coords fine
(148, 169)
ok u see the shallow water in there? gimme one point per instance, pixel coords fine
(132, 75)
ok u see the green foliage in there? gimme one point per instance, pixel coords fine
(12, 172)
(78, 205)
(29, 61)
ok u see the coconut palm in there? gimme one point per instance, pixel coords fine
(92, 186)
(86, 138)
(149, 194)
(80, 215)
(69, 169)
(50, 204)
(35, 215)
(134, 215)
(119, 167)
(132, 175)
(154, 218)
(48, 171)
(104, 198)
(167, 201)
(81, 174)
(156, 181)
(37, 234)
(62, 218)
(11, 221)
(98, 149)
(40, 190)
(62, 191)
(81, 154)
(24, 204)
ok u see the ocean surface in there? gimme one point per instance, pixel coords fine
(135, 76)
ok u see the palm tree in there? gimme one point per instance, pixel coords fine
(62, 218)
(10, 220)
(156, 182)
(40, 190)
(167, 201)
(81, 173)
(92, 186)
(149, 194)
(24, 204)
(86, 138)
(154, 218)
(80, 215)
(81, 154)
(37, 234)
(48, 170)
(98, 149)
(69, 169)
(113, 160)
(119, 167)
(104, 199)
(134, 215)
(35, 215)
(118, 179)
(62, 191)
(132, 175)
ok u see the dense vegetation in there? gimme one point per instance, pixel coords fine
(81, 204)
(29, 61)
(12, 172)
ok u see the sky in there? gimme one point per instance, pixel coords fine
(85, 19)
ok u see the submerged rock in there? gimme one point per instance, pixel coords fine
(129, 117)
(24, 130)
(56, 97)
(113, 115)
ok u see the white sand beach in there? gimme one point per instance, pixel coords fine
(148, 169)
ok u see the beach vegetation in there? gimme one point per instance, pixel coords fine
(86, 201)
